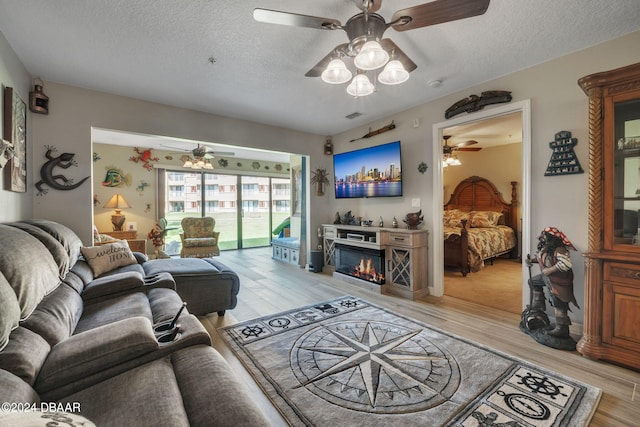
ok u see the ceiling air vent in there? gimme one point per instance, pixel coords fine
(353, 115)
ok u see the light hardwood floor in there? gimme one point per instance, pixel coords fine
(268, 287)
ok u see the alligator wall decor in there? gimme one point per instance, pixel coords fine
(57, 182)
(475, 102)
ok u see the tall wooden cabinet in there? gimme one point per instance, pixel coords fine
(612, 266)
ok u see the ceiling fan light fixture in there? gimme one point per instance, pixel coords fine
(360, 86)
(336, 72)
(393, 74)
(371, 56)
(188, 163)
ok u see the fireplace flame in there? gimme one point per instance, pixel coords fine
(365, 270)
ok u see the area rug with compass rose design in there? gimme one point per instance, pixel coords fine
(349, 362)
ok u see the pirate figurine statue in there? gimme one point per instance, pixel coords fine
(556, 275)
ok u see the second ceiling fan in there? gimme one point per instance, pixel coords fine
(448, 156)
(462, 146)
(365, 30)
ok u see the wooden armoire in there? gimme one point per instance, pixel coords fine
(612, 262)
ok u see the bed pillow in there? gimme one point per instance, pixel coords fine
(480, 219)
(454, 217)
(108, 257)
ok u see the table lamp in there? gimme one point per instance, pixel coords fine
(118, 203)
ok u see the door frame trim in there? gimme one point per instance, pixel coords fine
(436, 287)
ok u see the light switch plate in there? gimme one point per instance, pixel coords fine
(415, 203)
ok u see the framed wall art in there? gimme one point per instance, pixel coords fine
(15, 131)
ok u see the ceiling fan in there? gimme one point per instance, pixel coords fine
(201, 151)
(450, 159)
(368, 26)
(462, 146)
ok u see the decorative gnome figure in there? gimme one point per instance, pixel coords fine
(556, 275)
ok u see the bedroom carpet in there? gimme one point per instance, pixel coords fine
(350, 362)
(497, 286)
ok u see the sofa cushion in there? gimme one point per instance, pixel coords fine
(56, 316)
(10, 313)
(97, 349)
(29, 284)
(147, 395)
(63, 234)
(113, 284)
(193, 364)
(108, 257)
(197, 242)
(58, 251)
(24, 355)
(15, 390)
(114, 309)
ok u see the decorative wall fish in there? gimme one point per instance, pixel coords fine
(115, 177)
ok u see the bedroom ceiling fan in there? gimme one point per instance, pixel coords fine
(450, 159)
(366, 45)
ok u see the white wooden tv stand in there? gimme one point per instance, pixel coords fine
(405, 266)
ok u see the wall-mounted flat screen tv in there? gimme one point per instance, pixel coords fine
(369, 172)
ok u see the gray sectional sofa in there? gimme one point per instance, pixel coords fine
(94, 347)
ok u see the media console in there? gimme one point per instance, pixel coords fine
(404, 253)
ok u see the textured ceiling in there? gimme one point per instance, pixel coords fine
(160, 50)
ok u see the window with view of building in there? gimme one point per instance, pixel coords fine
(246, 208)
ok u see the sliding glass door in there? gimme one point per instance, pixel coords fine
(255, 221)
(246, 208)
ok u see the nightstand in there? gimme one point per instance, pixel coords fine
(128, 235)
(136, 245)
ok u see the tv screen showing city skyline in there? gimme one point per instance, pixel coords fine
(369, 172)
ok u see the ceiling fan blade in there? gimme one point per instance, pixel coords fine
(317, 69)
(437, 12)
(220, 153)
(407, 63)
(374, 5)
(294, 19)
(468, 148)
(466, 143)
(174, 148)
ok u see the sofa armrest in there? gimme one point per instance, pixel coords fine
(140, 257)
(97, 349)
(113, 284)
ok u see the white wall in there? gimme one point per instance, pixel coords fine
(74, 111)
(15, 206)
(500, 165)
(557, 103)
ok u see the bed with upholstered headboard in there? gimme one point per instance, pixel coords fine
(479, 224)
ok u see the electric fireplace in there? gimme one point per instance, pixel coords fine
(362, 263)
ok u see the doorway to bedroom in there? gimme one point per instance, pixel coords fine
(494, 147)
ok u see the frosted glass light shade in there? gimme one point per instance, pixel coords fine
(360, 86)
(336, 73)
(393, 74)
(371, 57)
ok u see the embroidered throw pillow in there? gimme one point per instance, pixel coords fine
(108, 257)
(39, 418)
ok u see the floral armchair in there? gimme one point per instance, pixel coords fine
(199, 240)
